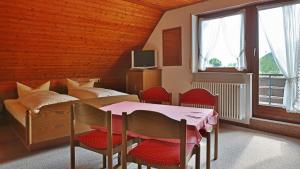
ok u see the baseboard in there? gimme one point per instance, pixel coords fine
(277, 127)
(235, 123)
(271, 126)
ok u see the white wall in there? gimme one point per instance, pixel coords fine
(178, 78)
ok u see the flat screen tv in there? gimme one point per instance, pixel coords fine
(143, 59)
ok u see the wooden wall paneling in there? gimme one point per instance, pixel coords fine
(172, 55)
(75, 38)
(79, 38)
(166, 5)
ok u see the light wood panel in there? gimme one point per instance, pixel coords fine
(142, 79)
(72, 38)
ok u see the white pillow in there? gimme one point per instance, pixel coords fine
(24, 90)
(71, 84)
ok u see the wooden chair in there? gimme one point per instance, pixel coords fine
(153, 152)
(205, 98)
(100, 141)
(156, 95)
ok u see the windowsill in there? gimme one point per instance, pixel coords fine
(223, 77)
(224, 73)
(229, 70)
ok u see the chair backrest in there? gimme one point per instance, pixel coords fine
(153, 124)
(156, 95)
(199, 97)
(90, 115)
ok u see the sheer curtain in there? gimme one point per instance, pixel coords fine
(235, 44)
(283, 37)
(221, 30)
(209, 31)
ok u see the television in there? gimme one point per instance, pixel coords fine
(143, 59)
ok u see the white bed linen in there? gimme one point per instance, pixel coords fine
(32, 102)
(88, 93)
(37, 100)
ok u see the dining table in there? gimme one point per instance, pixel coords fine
(197, 119)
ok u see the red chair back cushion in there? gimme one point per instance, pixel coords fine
(197, 96)
(155, 95)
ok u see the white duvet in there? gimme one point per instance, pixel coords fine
(87, 93)
(36, 100)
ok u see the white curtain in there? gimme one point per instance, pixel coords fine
(209, 31)
(282, 34)
(220, 30)
(235, 44)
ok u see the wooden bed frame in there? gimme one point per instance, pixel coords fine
(51, 126)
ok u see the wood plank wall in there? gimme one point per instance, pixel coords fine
(72, 38)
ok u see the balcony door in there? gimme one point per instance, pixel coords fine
(272, 71)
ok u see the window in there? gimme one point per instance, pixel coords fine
(279, 47)
(268, 35)
(222, 42)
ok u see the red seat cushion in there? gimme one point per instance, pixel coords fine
(98, 139)
(159, 152)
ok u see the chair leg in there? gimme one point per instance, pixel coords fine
(197, 156)
(216, 149)
(119, 158)
(148, 167)
(104, 161)
(208, 145)
(139, 166)
(72, 156)
(110, 162)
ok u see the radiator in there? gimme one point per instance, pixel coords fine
(232, 98)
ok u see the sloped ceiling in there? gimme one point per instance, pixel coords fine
(75, 38)
(165, 4)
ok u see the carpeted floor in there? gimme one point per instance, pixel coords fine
(240, 148)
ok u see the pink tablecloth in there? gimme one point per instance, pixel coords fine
(196, 118)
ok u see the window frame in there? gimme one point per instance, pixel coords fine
(220, 14)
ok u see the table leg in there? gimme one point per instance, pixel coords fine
(216, 141)
(197, 156)
(208, 144)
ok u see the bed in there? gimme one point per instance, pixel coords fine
(50, 125)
